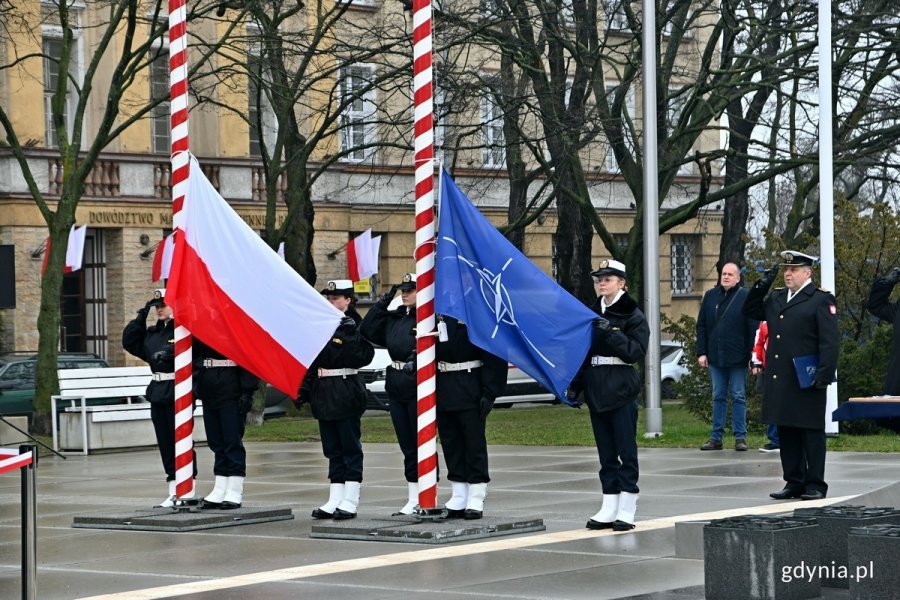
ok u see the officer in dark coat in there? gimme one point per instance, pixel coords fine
(395, 329)
(337, 395)
(156, 346)
(879, 304)
(803, 324)
(226, 391)
(610, 385)
(469, 379)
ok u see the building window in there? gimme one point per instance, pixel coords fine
(674, 107)
(621, 240)
(616, 18)
(254, 66)
(52, 55)
(357, 131)
(159, 116)
(493, 150)
(554, 258)
(628, 109)
(682, 256)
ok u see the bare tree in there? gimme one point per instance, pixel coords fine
(117, 57)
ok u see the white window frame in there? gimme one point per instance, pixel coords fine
(356, 124)
(366, 3)
(493, 140)
(673, 113)
(76, 70)
(612, 165)
(681, 253)
(616, 19)
(265, 112)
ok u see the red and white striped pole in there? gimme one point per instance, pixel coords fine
(425, 342)
(178, 82)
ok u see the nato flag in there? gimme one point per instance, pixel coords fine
(512, 309)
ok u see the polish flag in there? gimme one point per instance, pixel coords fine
(74, 251)
(162, 258)
(231, 291)
(362, 256)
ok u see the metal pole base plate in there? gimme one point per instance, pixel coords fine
(430, 514)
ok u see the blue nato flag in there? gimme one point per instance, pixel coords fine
(512, 309)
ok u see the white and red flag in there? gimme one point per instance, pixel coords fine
(236, 295)
(362, 256)
(74, 251)
(162, 258)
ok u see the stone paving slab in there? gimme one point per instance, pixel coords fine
(414, 530)
(161, 519)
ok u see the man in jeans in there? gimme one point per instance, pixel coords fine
(724, 340)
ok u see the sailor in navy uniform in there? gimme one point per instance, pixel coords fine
(803, 324)
(337, 396)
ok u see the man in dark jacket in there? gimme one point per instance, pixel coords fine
(337, 395)
(724, 340)
(156, 346)
(879, 304)
(803, 330)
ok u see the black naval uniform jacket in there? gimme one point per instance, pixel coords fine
(808, 324)
(396, 331)
(463, 390)
(609, 387)
(218, 385)
(879, 305)
(339, 397)
(155, 346)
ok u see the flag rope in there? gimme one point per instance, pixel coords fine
(184, 406)
(423, 111)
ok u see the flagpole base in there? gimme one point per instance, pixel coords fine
(186, 504)
(431, 514)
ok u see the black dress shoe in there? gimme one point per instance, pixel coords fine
(622, 526)
(343, 515)
(207, 505)
(592, 524)
(322, 514)
(812, 495)
(471, 514)
(786, 494)
(230, 505)
(453, 513)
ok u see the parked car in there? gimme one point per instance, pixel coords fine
(673, 366)
(17, 377)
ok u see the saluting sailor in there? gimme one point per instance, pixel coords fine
(803, 325)
(337, 395)
(156, 346)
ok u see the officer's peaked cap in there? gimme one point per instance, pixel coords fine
(159, 297)
(339, 287)
(610, 267)
(792, 258)
(408, 282)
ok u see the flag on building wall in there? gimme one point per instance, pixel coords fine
(511, 308)
(74, 251)
(162, 258)
(237, 296)
(362, 256)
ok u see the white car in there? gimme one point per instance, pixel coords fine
(672, 367)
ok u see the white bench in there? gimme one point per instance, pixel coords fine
(122, 425)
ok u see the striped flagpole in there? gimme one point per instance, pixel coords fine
(424, 254)
(178, 82)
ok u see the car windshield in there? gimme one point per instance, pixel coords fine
(668, 353)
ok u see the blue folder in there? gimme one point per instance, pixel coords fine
(806, 367)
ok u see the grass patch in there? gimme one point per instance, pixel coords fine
(557, 426)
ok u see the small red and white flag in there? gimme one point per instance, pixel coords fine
(74, 250)
(162, 258)
(232, 292)
(362, 256)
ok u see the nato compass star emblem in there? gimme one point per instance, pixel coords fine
(496, 296)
